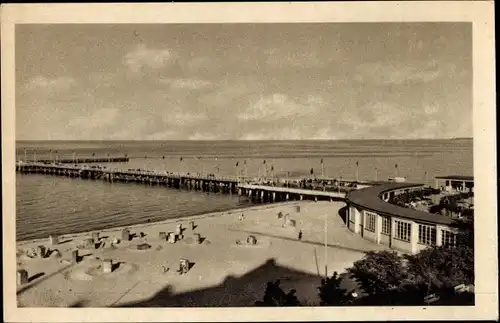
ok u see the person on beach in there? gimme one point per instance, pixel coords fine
(300, 235)
(183, 266)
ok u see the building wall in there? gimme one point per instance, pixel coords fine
(420, 247)
(357, 222)
(398, 244)
(368, 234)
(351, 217)
(385, 239)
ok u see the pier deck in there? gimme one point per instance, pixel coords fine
(224, 184)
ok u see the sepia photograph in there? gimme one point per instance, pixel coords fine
(239, 163)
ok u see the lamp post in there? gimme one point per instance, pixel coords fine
(326, 246)
(357, 171)
(322, 169)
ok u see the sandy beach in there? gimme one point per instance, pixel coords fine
(223, 273)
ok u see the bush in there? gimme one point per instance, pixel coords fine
(330, 292)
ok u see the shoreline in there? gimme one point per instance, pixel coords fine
(166, 221)
(224, 262)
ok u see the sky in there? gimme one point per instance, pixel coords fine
(243, 81)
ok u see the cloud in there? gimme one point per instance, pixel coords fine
(292, 58)
(395, 73)
(203, 136)
(143, 56)
(182, 118)
(324, 134)
(287, 133)
(379, 116)
(101, 117)
(275, 107)
(164, 135)
(50, 84)
(190, 84)
(102, 79)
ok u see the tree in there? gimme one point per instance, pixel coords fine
(330, 292)
(275, 296)
(440, 268)
(378, 272)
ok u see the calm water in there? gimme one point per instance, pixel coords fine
(47, 204)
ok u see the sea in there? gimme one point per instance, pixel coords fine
(58, 205)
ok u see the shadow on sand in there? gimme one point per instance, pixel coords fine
(233, 291)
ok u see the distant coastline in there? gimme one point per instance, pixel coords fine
(245, 140)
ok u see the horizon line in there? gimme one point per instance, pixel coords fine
(247, 140)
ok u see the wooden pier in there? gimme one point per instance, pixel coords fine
(169, 179)
(265, 193)
(256, 192)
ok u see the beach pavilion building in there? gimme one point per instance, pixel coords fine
(403, 229)
(455, 183)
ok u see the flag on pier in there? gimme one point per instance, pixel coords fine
(272, 168)
(181, 159)
(237, 163)
(321, 161)
(357, 171)
(93, 154)
(312, 171)
(264, 162)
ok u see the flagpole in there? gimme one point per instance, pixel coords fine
(376, 175)
(34, 156)
(272, 171)
(357, 171)
(25, 156)
(322, 169)
(326, 246)
(245, 164)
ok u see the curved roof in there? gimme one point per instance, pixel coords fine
(369, 198)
